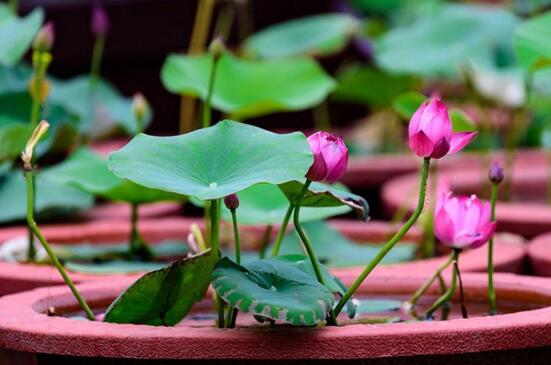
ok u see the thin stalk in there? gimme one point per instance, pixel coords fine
(206, 104)
(282, 230)
(392, 242)
(29, 177)
(97, 56)
(266, 240)
(426, 285)
(322, 119)
(232, 313)
(137, 245)
(447, 296)
(201, 27)
(215, 246)
(427, 249)
(461, 293)
(225, 20)
(491, 290)
(446, 307)
(41, 60)
(13, 6)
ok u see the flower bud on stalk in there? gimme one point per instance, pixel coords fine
(231, 201)
(99, 22)
(217, 47)
(330, 157)
(496, 174)
(430, 132)
(38, 133)
(44, 39)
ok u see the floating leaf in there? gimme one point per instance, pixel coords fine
(13, 138)
(88, 171)
(164, 297)
(273, 288)
(314, 35)
(266, 204)
(323, 195)
(17, 34)
(439, 43)
(335, 250)
(362, 84)
(407, 103)
(532, 42)
(246, 89)
(213, 162)
(49, 197)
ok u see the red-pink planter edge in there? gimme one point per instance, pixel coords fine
(122, 211)
(24, 327)
(509, 253)
(539, 255)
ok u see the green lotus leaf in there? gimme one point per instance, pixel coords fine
(245, 88)
(17, 34)
(213, 162)
(532, 42)
(316, 35)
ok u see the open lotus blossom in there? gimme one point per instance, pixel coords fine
(430, 131)
(330, 157)
(462, 221)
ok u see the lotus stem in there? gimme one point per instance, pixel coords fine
(137, 245)
(491, 290)
(282, 229)
(97, 56)
(392, 242)
(207, 103)
(447, 296)
(14, 6)
(461, 293)
(426, 285)
(232, 313)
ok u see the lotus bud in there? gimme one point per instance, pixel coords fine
(43, 89)
(463, 222)
(217, 47)
(99, 23)
(496, 174)
(330, 157)
(38, 133)
(140, 106)
(44, 39)
(231, 201)
(430, 131)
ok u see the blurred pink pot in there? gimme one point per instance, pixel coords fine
(539, 255)
(510, 338)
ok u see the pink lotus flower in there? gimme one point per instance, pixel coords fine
(44, 39)
(463, 222)
(330, 157)
(430, 132)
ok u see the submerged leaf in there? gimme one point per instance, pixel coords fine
(164, 297)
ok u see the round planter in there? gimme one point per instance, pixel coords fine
(539, 255)
(123, 211)
(528, 216)
(509, 253)
(25, 329)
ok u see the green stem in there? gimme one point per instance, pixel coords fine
(266, 240)
(206, 105)
(137, 245)
(97, 55)
(236, 236)
(461, 293)
(215, 247)
(446, 307)
(392, 242)
(41, 60)
(426, 285)
(322, 117)
(31, 250)
(13, 6)
(430, 242)
(282, 230)
(34, 227)
(447, 296)
(491, 291)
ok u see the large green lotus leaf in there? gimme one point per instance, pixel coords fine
(164, 297)
(16, 34)
(49, 197)
(88, 171)
(213, 162)
(439, 43)
(13, 138)
(109, 106)
(363, 84)
(323, 195)
(407, 103)
(245, 88)
(266, 204)
(15, 79)
(322, 34)
(273, 288)
(532, 42)
(335, 250)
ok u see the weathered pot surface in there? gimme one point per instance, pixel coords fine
(25, 328)
(526, 213)
(509, 252)
(539, 255)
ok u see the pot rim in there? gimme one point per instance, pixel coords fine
(24, 328)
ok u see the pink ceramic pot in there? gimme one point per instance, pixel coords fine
(509, 256)
(26, 330)
(539, 255)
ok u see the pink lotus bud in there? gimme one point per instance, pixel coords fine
(462, 221)
(330, 157)
(430, 132)
(44, 39)
(231, 201)
(140, 106)
(99, 23)
(496, 174)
